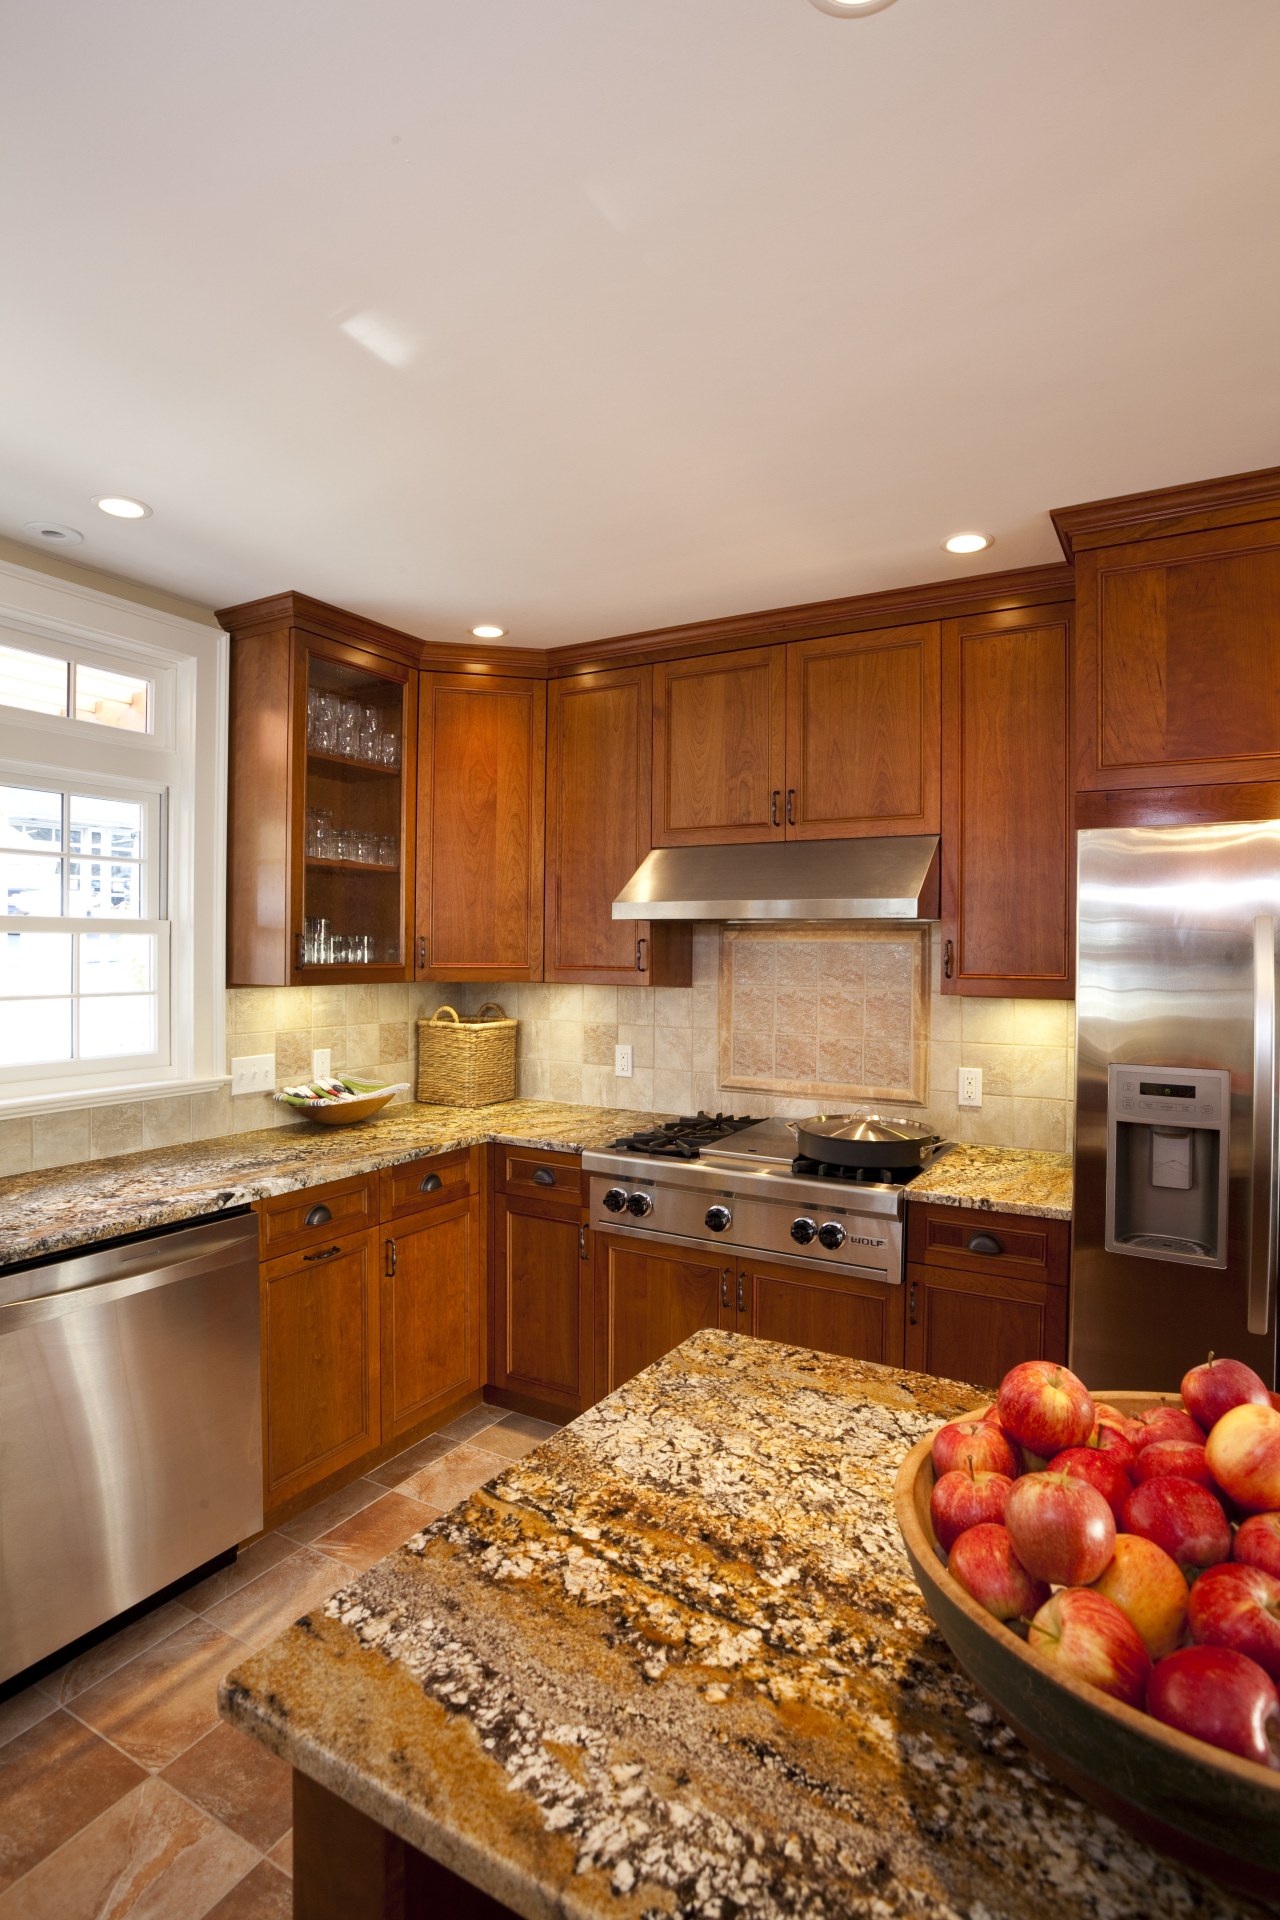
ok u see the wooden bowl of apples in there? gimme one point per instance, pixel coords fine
(1027, 1642)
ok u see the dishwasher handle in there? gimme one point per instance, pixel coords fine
(55, 1306)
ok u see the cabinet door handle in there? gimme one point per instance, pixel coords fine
(391, 1260)
(543, 1177)
(948, 959)
(742, 1297)
(641, 946)
(984, 1243)
(911, 1305)
(319, 1216)
(327, 1254)
(430, 1183)
(791, 806)
(582, 1241)
(422, 949)
(724, 1286)
(774, 798)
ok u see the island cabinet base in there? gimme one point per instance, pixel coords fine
(347, 1867)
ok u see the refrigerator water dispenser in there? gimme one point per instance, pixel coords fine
(1167, 1163)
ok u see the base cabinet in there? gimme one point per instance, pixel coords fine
(833, 1312)
(984, 1291)
(430, 1314)
(649, 1299)
(542, 1302)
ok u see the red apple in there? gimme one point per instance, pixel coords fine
(1220, 1696)
(1237, 1606)
(1166, 1423)
(985, 1564)
(972, 1443)
(1211, 1390)
(1181, 1517)
(1086, 1635)
(1183, 1457)
(1257, 1542)
(1244, 1457)
(1100, 1470)
(1109, 1440)
(1149, 1590)
(1045, 1408)
(965, 1499)
(1062, 1529)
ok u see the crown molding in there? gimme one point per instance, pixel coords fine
(336, 623)
(1201, 504)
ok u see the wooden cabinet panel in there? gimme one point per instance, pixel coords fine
(317, 1216)
(1007, 845)
(1178, 652)
(547, 1174)
(481, 800)
(543, 1302)
(648, 1301)
(975, 1241)
(834, 1313)
(974, 1327)
(719, 746)
(418, 1185)
(319, 1363)
(863, 734)
(432, 1290)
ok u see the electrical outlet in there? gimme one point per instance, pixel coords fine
(969, 1087)
(622, 1062)
(321, 1063)
(253, 1073)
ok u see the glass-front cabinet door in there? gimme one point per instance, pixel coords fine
(352, 843)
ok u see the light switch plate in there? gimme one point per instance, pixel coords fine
(321, 1063)
(253, 1073)
(622, 1062)
(969, 1087)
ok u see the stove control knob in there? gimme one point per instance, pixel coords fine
(718, 1218)
(803, 1231)
(831, 1235)
(639, 1204)
(616, 1200)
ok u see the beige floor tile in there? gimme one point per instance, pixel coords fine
(328, 1512)
(233, 1777)
(54, 1779)
(453, 1478)
(21, 1711)
(166, 1698)
(85, 1671)
(469, 1424)
(264, 1553)
(512, 1441)
(151, 1856)
(376, 1531)
(282, 1853)
(392, 1472)
(258, 1612)
(264, 1894)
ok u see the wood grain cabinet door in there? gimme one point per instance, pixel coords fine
(431, 1293)
(1178, 659)
(648, 1301)
(974, 1326)
(863, 734)
(831, 1312)
(542, 1302)
(719, 748)
(481, 803)
(319, 1363)
(1007, 846)
(599, 745)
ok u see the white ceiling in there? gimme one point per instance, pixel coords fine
(686, 307)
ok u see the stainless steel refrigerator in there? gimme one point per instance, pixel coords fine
(1175, 1217)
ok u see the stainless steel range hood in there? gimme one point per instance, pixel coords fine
(787, 880)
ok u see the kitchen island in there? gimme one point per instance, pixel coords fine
(674, 1662)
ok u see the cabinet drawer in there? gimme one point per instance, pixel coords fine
(970, 1238)
(297, 1220)
(525, 1170)
(418, 1185)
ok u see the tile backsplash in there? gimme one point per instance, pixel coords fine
(566, 1052)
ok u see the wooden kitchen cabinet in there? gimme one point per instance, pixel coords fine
(481, 801)
(543, 1305)
(599, 756)
(817, 1307)
(431, 1313)
(1008, 850)
(984, 1292)
(649, 1299)
(719, 748)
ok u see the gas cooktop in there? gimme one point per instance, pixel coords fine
(684, 1138)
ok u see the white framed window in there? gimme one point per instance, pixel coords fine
(112, 847)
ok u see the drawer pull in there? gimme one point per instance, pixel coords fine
(985, 1243)
(724, 1286)
(390, 1267)
(582, 1241)
(742, 1299)
(319, 1216)
(911, 1305)
(430, 1183)
(326, 1254)
(543, 1177)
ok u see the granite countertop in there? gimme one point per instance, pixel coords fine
(674, 1662)
(999, 1180)
(64, 1207)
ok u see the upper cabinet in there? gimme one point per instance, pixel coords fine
(599, 733)
(823, 739)
(1007, 845)
(481, 782)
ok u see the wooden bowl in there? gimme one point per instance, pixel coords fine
(1213, 1812)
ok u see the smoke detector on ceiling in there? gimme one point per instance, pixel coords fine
(850, 9)
(53, 533)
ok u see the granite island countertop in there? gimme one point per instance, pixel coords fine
(65, 1207)
(674, 1662)
(999, 1180)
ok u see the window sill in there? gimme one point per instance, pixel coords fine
(27, 1105)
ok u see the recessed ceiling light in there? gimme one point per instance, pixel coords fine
(850, 9)
(54, 532)
(488, 633)
(122, 509)
(968, 542)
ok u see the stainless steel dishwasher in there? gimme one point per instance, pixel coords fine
(130, 1426)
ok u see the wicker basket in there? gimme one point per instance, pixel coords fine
(467, 1063)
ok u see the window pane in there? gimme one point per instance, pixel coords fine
(34, 1031)
(111, 1026)
(35, 962)
(30, 884)
(106, 827)
(33, 681)
(31, 817)
(112, 699)
(117, 962)
(104, 889)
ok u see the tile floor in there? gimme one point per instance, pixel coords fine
(121, 1791)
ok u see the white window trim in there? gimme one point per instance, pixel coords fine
(190, 744)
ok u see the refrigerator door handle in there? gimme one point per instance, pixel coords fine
(1262, 1203)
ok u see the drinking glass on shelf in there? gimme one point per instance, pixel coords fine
(330, 838)
(313, 716)
(348, 729)
(370, 734)
(326, 731)
(348, 844)
(389, 749)
(386, 850)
